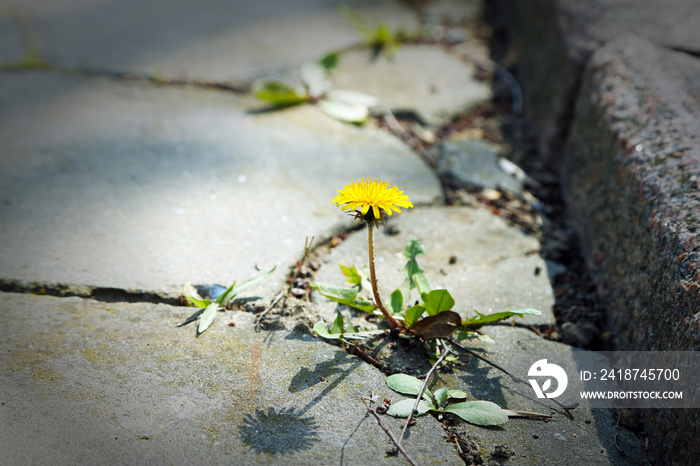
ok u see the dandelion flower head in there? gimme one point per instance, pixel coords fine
(371, 194)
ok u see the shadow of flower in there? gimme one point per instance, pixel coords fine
(278, 432)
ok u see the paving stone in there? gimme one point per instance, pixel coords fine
(138, 187)
(213, 39)
(89, 382)
(586, 436)
(477, 163)
(419, 78)
(497, 267)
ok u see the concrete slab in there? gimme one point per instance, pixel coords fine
(210, 40)
(139, 187)
(88, 382)
(587, 436)
(496, 266)
(477, 163)
(424, 79)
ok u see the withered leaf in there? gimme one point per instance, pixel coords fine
(438, 326)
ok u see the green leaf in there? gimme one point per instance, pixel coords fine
(456, 394)
(364, 306)
(321, 330)
(192, 318)
(339, 323)
(207, 317)
(440, 397)
(196, 300)
(352, 274)
(396, 301)
(338, 294)
(404, 408)
(415, 276)
(413, 248)
(278, 93)
(421, 282)
(229, 294)
(413, 314)
(343, 296)
(403, 383)
(330, 61)
(344, 111)
(438, 301)
(484, 319)
(383, 34)
(482, 413)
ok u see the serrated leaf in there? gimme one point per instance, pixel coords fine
(343, 111)
(483, 319)
(437, 301)
(352, 97)
(404, 408)
(396, 301)
(440, 397)
(234, 289)
(207, 317)
(413, 248)
(482, 413)
(404, 383)
(438, 326)
(413, 314)
(415, 276)
(191, 294)
(352, 274)
(278, 93)
(315, 78)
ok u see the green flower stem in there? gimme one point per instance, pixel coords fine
(373, 279)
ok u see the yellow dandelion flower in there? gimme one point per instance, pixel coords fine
(375, 194)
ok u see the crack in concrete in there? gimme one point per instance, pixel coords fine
(97, 293)
(695, 53)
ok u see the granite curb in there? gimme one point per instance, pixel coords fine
(618, 117)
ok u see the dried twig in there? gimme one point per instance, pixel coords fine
(388, 432)
(307, 249)
(260, 316)
(422, 389)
